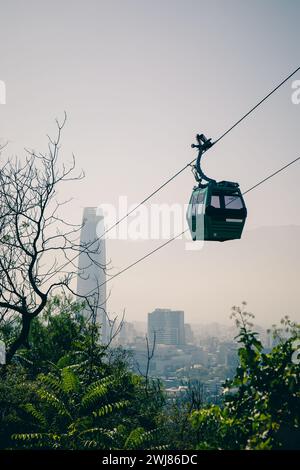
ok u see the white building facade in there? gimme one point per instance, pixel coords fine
(91, 268)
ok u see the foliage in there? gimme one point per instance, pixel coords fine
(68, 392)
(58, 330)
(176, 417)
(87, 399)
(261, 407)
(15, 388)
(34, 238)
(69, 415)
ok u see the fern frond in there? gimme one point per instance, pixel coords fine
(107, 432)
(96, 437)
(90, 444)
(92, 397)
(97, 390)
(52, 382)
(110, 407)
(70, 382)
(40, 440)
(139, 438)
(108, 380)
(54, 402)
(37, 415)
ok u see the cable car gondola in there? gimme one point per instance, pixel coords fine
(216, 211)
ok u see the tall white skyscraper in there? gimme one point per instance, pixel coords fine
(91, 272)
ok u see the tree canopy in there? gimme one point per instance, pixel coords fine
(67, 391)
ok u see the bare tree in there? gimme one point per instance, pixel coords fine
(150, 349)
(34, 239)
(195, 394)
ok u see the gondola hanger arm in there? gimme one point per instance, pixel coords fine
(203, 145)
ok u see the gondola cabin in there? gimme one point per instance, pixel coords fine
(216, 212)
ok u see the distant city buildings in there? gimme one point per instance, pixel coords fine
(206, 354)
(127, 334)
(176, 365)
(188, 334)
(167, 326)
(91, 267)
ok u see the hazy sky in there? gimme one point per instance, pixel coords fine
(138, 79)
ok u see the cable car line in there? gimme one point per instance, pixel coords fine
(147, 255)
(179, 171)
(194, 160)
(271, 176)
(257, 105)
(138, 261)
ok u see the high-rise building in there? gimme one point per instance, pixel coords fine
(91, 267)
(167, 325)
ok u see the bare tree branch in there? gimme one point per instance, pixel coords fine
(34, 238)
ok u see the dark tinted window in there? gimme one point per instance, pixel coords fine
(233, 202)
(215, 201)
